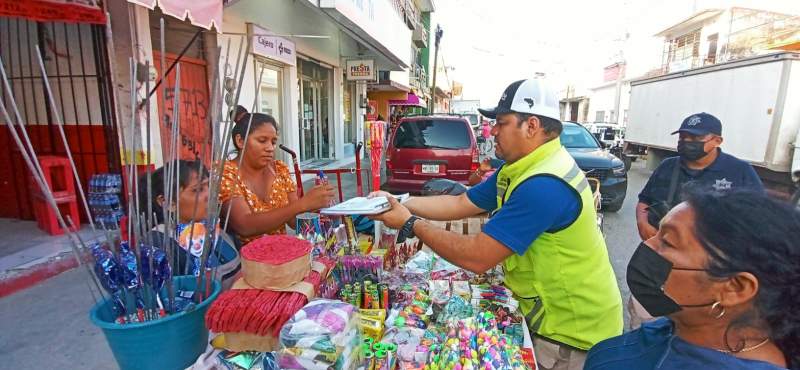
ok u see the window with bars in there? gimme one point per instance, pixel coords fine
(600, 116)
(685, 47)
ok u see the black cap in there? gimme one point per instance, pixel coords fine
(701, 124)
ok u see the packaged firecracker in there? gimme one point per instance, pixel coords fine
(457, 308)
(439, 291)
(322, 335)
(462, 289)
(370, 327)
(406, 341)
(486, 295)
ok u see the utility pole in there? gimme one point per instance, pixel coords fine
(438, 35)
(622, 65)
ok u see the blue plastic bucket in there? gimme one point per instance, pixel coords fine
(174, 342)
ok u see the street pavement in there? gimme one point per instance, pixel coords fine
(47, 326)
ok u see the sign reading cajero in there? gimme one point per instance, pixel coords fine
(361, 70)
(272, 47)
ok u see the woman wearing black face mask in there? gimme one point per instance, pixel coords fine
(724, 270)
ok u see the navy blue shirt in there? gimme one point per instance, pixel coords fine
(655, 346)
(537, 205)
(725, 173)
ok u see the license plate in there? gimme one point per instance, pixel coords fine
(430, 168)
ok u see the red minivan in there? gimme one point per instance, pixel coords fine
(422, 148)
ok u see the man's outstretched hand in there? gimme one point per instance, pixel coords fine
(396, 216)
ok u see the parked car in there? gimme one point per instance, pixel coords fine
(422, 148)
(597, 162)
(607, 133)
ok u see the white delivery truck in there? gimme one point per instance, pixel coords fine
(468, 109)
(757, 99)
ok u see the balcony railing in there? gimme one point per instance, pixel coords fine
(418, 77)
(420, 36)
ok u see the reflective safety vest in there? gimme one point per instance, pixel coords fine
(564, 282)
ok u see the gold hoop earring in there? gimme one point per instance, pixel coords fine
(714, 307)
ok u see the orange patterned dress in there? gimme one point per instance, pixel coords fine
(233, 186)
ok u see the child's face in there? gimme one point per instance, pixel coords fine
(194, 200)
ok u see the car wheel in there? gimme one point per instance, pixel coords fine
(613, 207)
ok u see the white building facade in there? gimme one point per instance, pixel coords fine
(303, 48)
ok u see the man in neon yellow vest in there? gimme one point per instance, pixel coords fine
(543, 230)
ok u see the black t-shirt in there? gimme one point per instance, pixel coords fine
(725, 173)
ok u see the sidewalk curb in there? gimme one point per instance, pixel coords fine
(13, 281)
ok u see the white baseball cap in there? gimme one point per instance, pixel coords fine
(532, 96)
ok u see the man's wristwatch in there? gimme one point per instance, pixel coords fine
(407, 231)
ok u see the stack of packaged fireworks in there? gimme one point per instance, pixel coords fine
(104, 201)
(367, 295)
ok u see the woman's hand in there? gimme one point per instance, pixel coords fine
(318, 197)
(486, 165)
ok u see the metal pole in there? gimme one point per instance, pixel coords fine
(60, 124)
(438, 38)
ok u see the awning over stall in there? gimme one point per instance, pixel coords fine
(412, 100)
(201, 13)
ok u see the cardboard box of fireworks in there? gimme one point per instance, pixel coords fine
(368, 305)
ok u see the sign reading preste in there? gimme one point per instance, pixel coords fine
(361, 70)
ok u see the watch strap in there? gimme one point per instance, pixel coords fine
(407, 231)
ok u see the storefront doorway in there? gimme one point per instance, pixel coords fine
(316, 129)
(270, 93)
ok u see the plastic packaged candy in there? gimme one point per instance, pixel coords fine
(157, 258)
(129, 277)
(108, 272)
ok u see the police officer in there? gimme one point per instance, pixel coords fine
(543, 230)
(700, 163)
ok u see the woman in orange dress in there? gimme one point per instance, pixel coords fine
(260, 194)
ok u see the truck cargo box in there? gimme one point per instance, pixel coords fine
(757, 99)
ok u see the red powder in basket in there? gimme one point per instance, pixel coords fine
(276, 249)
(260, 312)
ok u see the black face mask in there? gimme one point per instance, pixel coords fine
(691, 150)
(647, 273)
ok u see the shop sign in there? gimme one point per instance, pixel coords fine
(361, 70)
(273, 47)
